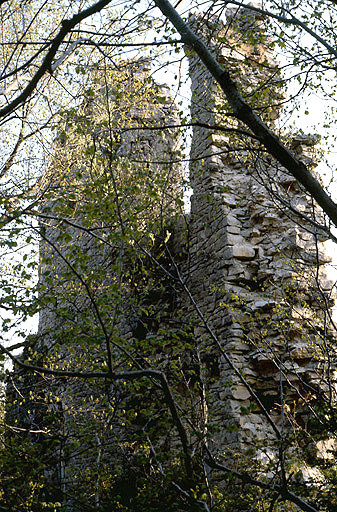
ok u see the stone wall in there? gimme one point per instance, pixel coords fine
(104, 155)
(258, 267)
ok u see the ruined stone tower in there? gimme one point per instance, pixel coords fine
(257, 266)
(231, 303)
(106, 157)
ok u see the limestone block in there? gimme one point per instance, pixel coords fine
(283, 274)
(238, 347)
(244, 252)
(301, 351)
(263, 304)
(311, 475)
(325, 449)
(233, 239)
(229, 199)
(236, 325)
(235, 230)
(231, 220)
(326, 284)
(293, 368)
(240, 393)
(250, 418)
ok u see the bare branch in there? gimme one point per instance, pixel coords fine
(292, 20)
(246, 478)
(67, 26)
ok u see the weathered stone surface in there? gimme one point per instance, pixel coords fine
(302, 351)
(263, 304)
(243, 252)
(325, 449)
(240, 393)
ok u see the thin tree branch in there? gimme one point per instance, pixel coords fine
(288, 21)
(67, 26)
(127, 375)
(246, 478)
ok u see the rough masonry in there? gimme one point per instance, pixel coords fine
(257, 269)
